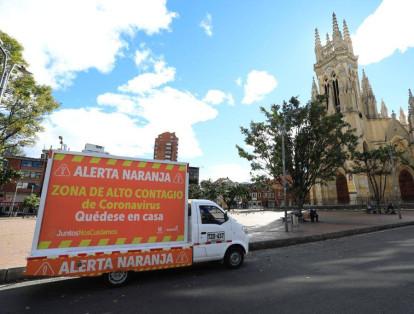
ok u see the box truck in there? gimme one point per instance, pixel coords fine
(109, 215)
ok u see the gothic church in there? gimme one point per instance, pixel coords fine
(336, 70)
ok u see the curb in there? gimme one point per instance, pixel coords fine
(269, 244)
(17, 274)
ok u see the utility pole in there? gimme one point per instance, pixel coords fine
(284, 176)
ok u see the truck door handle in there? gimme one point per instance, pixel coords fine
(203, 232)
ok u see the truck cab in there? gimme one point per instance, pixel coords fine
(215, 235)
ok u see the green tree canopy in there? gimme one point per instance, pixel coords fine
(23, 102)
(316, 145)
(378, 165)
(31, 203)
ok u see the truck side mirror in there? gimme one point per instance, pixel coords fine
(226, 217)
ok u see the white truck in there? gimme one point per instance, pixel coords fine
(109, 215)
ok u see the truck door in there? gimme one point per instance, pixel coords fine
(214, 230)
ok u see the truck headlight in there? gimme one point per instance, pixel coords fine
(245, 230)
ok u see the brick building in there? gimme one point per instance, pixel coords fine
(32, 174)
(166, 147)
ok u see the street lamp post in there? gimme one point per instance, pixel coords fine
(14, 199)
(284, 176)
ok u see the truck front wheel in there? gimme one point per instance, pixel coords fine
(117, 278)
(234, 257)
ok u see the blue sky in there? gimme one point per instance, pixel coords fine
(124, 73)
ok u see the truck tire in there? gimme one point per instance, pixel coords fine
(234, 257)
(116, 278)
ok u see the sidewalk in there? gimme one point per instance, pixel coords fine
(265, 228)
(332, 224)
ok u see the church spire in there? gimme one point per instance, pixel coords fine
(347, 37)
(336, 35)
(384, 109)
(403, 118)
(327, 39)
(346, 31)
(315, 91)
(317, 39)
(318, 46)
(368, 98)
(411, 100)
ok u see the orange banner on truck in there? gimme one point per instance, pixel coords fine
(104, 201)
(92, 265)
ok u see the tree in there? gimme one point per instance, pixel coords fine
(194, 191)
(23, 102)
(31, 203)
(232, 191)
(210, 190)
(316, 145)
(377, 164)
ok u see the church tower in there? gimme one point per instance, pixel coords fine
(336, 69)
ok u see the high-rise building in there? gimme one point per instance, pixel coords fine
(166, 147)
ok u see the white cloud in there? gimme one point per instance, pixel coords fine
(216, 97)
(145, 82)
(127, 123)
(258, 84)
(117, 132)
(235, 172)
(122, 103)
(64, 37)
(388, 29)
(239, 81)
(207, 25)
(141, 56)
(120, 132)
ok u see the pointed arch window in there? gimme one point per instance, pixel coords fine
(336, 93)
(326, 86)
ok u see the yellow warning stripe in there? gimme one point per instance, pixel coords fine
(127, 163)
(169, 167)
(44, 245)
(103, 242)
(120, 241)
(94, 160)
(152, 239)
(180, 238)
(142, 164)
(182, 168)
(166, 239)
(85, 242)
(156, 165)
(111, 162)
(65, 243)
(77, 158)
(59, 157)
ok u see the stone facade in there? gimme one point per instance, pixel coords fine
(336, 70)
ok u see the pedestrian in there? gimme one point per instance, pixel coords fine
(390, 209)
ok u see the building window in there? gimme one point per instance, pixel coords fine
(26, 163)
(31, 164)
